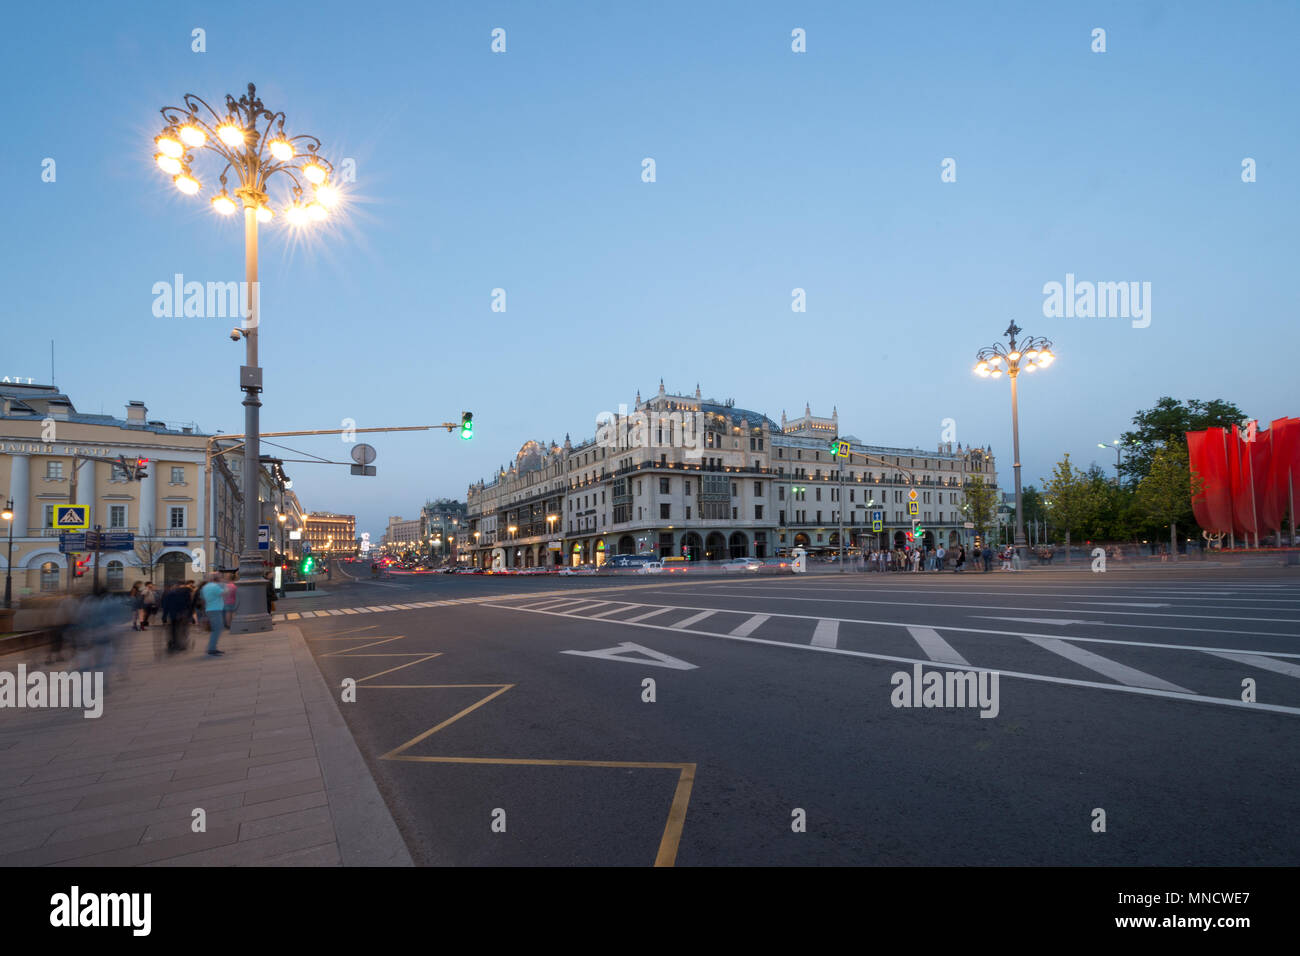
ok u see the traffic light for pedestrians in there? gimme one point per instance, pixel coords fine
(467, 425)
(308, 564)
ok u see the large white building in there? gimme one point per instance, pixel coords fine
(682, 475)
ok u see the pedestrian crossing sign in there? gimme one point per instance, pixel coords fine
(911, 507)
(877, 526)
(71, 517)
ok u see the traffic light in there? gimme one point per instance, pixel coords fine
(141, 469)
(840, 449)
(308, 565)
(467, 425)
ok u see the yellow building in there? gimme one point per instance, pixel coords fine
(48, 453)
(330, 534)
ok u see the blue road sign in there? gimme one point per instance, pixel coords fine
(116, 541)
(877, 526)
(877, 517)
(263, 537)
(70, 517)
(69, 543)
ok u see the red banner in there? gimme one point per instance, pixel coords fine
(1207, 455)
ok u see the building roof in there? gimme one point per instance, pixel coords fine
(35, 402)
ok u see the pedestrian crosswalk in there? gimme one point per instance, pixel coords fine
(1054, 658)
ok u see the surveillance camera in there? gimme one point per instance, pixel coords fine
(235, 334)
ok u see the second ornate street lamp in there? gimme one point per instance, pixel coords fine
(1028, 355)
(9, 560)
(249, 141)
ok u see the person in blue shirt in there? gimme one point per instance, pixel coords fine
(214, 606)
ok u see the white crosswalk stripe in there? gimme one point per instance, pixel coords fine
(648, 614)
(694, 619)
(1263, 663)
(935, 647)
(827, 633)
(614, 610)
(748, 627)
(1105, 666)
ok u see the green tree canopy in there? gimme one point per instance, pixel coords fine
(1166, 424)
(982, 504)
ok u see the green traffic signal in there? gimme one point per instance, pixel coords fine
(308, 564)
(466, 425)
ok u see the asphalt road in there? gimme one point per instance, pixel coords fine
(496, 744)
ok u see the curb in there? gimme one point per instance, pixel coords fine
(366, 832)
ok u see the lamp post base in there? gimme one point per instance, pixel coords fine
(250, 613)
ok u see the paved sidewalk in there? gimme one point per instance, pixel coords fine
(253, 738)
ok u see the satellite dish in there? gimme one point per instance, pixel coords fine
(363, 454)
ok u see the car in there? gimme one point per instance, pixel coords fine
(742, 564)
(651, 567)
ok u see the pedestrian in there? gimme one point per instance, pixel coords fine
(270, 591)
(231, 598)
(978, 553)
(916, 560)
(149, 602)
(214, 601)
(136, 602)
(942, 555)
(177, 612)
(961, 559)
(988, 559)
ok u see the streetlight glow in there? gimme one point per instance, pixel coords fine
(281, 149)
(223, 204)
(186, 184)
(168, 164)
(192, 135)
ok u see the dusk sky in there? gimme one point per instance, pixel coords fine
(775, 170)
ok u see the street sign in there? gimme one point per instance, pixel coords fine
(877, 517)
(363, 454)
(970, 525)
(911, 494)
(877, 526)
(363, 469)
(911, 507)
(117, 541)
(840, 448)
(72, 543)
(263, 537)
(68, 517)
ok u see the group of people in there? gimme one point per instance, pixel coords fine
(183, 604)
(936, 559)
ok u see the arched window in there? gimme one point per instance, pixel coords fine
(115, 573)
(49, 576)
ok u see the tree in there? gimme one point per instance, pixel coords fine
(981, 505)
(1167, 423)
(148, 549)
(1035, 508)
(1072, 497)
(1165, 495)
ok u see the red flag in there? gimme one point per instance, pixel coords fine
(1207, 455)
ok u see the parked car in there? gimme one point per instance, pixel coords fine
(742, 564)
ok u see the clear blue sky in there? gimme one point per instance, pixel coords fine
(775, 170)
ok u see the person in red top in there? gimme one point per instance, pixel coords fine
(230, 595)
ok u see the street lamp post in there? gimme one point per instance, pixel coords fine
(1027, 356)
(254, 155)
(9, 558)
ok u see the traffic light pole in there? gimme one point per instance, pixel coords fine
(911, 478)
(249, 563)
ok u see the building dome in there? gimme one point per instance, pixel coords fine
(529, 457)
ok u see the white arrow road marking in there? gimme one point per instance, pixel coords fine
(619, 653)
(827, 633)
(1035, 620)
(1105, 666)
(1263, 663)
(935, 647)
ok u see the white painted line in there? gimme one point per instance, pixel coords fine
(615, 610)
(694, 618)
(348, 610)
(935, 647)
(292, 616)
(1116, 604)
(646, 656)
(382, 607)
(401, 607)
(585, 606)
(277, 617)
(1105, 666)
(363, 610)
(827, 633)
(642, 617)
(308, 613)
(1037, 620)
(747, 628)
(549, 604)
(1263, 663)
(335, 611)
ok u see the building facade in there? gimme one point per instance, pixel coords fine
(684, 476)
(49, 455)
(331, 534)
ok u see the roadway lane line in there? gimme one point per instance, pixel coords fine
(613, 610)
(935, 647)
(827, 633)
(1019, 675)
(745, 629)
(1263, 663)
(694, 618)
(1115, 603)
(639, 617)
(1105, 666)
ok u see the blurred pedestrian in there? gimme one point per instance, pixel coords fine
(988, 559)
(214, 602)
(961, 558)
(230, 598)
(942, 556)
(177, 612)
(136, 602)
(149, 604)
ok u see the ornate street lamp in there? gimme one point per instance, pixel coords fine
(1028, 355)
(9, 559)
(249, 141)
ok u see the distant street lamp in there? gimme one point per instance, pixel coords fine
(1027, 356)
(254, 155)
(9, 558)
